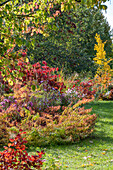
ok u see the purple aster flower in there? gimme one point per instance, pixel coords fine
(6, 100)
(15, 101)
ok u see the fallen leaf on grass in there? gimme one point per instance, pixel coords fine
(86, 165)
(103, 153)
(105, 149)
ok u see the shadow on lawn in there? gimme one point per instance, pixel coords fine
(103, 108)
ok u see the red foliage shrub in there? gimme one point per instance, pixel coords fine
(16, 157)
(40, 74)
(25, 72)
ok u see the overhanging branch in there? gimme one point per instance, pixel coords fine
(3, 3)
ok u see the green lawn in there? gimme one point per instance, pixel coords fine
(95, 152)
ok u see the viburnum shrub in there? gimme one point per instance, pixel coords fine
(39, 74)
(16, 157)
(36, 74)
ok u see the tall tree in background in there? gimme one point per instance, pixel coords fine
(70, 39)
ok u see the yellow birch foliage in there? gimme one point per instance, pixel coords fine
(104, 72)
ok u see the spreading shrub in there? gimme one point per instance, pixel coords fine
(54, 127)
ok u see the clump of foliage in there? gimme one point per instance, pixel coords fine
(16, 157)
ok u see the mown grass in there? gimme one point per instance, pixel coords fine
(94, 152)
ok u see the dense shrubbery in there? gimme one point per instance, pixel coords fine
(45, 123)
(46, 109)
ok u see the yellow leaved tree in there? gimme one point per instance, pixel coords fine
(104, 73)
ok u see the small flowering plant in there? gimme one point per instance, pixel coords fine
(6, 102)
(16, 157)
(83, 89)
(42, 98)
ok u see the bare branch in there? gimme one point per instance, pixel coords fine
(27, 15)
